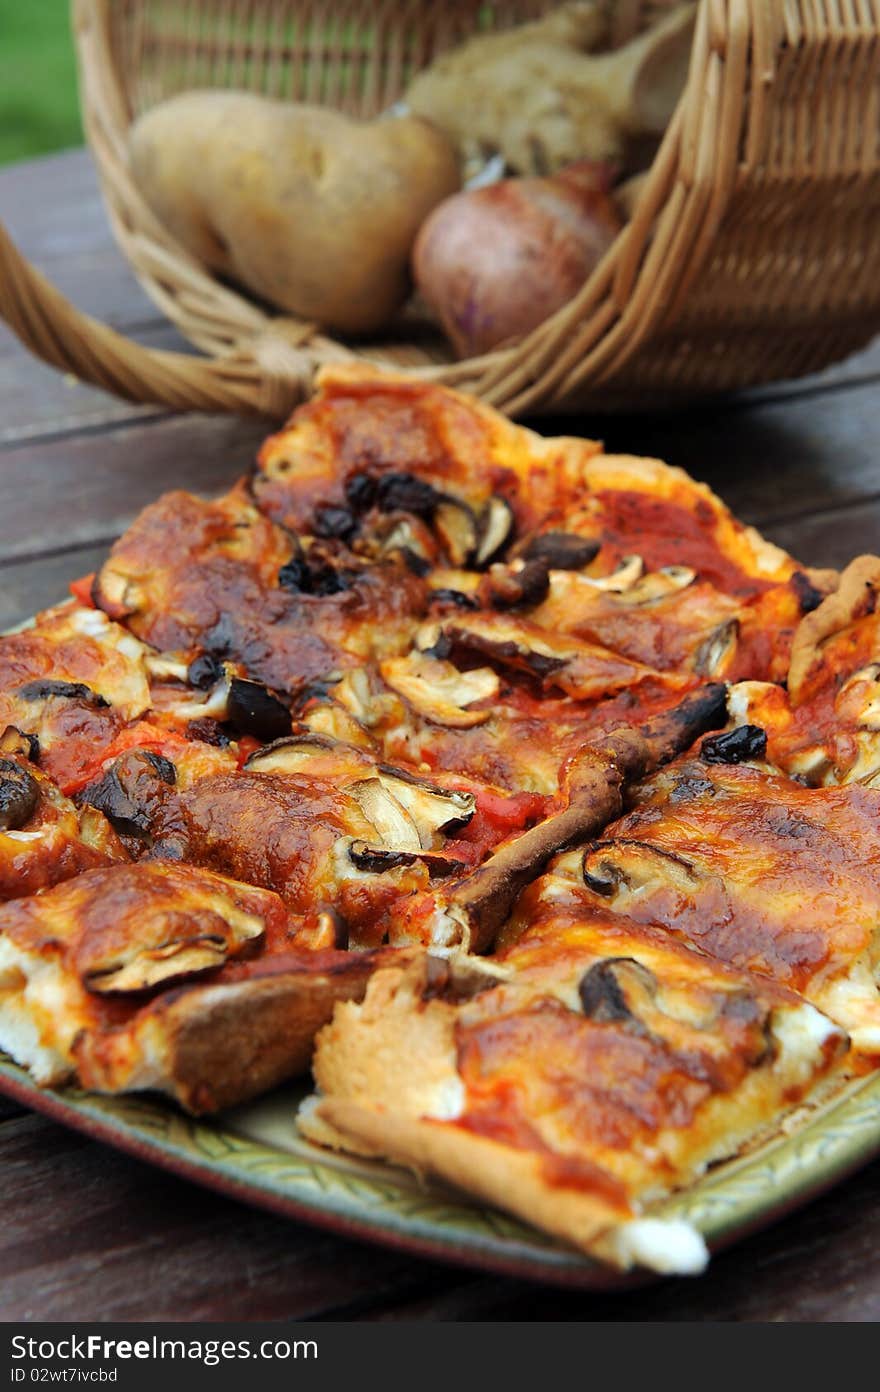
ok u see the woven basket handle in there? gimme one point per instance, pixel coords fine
(63, 336)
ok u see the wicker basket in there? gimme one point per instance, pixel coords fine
(752, 254)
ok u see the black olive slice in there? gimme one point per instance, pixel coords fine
(253, 710)
(336, 523)
(360, 492)
(376, 859)
(736, 746)
(294, 575)
(397, 492)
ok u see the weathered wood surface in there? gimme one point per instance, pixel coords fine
(91, 1234)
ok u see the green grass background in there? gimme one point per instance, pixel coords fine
(39, 110)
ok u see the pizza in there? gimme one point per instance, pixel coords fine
(516, 789)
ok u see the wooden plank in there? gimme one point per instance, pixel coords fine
(804, 457)
(53, 210)
(39, 401)
(89, 1234)
(80, 490)
(774, 461)
(120, 1240)
(831, 538)
(28, 586)
(52, 206)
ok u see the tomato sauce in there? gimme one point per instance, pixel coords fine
(663, 533)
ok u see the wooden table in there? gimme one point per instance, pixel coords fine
(87, 1233)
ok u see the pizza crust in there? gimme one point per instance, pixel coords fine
(855, 596)
(390, 1084)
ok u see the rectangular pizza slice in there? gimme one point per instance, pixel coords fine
(587, 1070)
(167, 978)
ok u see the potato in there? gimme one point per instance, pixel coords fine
(494, 263)
(311, 210)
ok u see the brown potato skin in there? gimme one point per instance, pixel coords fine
(311, 210)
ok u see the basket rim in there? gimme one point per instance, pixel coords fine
(282, 353)
(777, 122)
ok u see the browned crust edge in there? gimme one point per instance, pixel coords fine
(212, 1047)
(854, 598)
(493, 1172)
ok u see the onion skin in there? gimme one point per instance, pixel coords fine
(493, 263)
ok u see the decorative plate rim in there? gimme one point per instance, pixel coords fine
(381, 1203)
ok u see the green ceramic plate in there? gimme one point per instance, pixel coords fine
(255, 1154)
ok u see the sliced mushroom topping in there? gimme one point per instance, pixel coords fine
(716, 652)
(117, 593)
(615, 868)
(736, 746)
(331, 930)
(169, 944)
(356, 694)
(610, 991)
(625, 574)
(460, 978)
(496, 527)
(253, 709)
(318, 754)
(19, 795)
(330, 719)
(458, 582)
(377, 859)
(858, 700)
(204, 671)
(133, 791)
(93, 827)
(73, 691)
(15, 741)
(439, 691)
(580, 668)
(409, 537)
(560, 550)
(394, 826)
(164, 667)
(456, 526)
(459, 598)
(210, 702)
(432, 809)
(521, 586)
(508, 640)
(658, 584)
